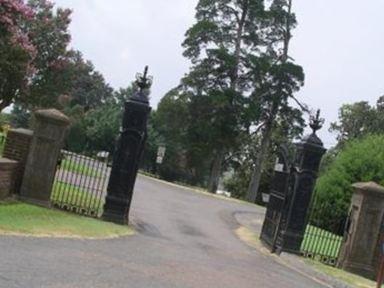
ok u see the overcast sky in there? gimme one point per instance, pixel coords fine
(340, 44)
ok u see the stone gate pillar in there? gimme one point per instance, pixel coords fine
(360, 252)
(308, 156)
(48, 138)
(127, 155)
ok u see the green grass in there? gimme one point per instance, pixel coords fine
(321, 242)
(73, 195)
(79, 168)
(2, 143)
(19, 218)
(352, 279)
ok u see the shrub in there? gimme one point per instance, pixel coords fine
(360, 161)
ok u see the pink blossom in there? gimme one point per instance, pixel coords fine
(12, 13)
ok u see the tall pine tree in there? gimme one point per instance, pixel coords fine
(228, 33)
(277, 77)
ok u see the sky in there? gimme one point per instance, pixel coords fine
(338, 43)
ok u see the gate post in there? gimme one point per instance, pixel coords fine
(128, 152)
(48, 138)
(362, 246)
(308, 156)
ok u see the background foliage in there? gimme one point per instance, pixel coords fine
(361, 160)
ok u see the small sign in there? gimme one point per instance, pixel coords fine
(159, 160)
(161, 151)
(279, 167)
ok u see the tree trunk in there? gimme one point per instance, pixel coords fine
(218, 160)
(287, 36)
(215, 172)
(239, 35)
(253, 190)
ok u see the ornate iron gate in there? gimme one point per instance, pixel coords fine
(278, 199)
(80, 184)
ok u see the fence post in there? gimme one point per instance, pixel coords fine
(128, 152)
(48, 138)
(308, 156)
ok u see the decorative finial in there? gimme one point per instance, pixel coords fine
(143, 81)
(315, 122)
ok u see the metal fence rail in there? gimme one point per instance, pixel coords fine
(80, 184)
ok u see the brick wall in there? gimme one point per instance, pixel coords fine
(8, 170)
(17, 148)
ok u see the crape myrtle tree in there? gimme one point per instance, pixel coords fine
(276, 79)
(49, 33)
(34, 39)
(16, 51)
(220, 45)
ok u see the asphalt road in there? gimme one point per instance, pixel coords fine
(185, 240)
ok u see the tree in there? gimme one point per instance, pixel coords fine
(360, 160)
(16, 51)
(356, 120)
(220, 45)
(49, 34)
(87, 87)
(172, 122)
(95, 125)
(288, 126)
(276, 80)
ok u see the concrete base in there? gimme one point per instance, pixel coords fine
(367, 271)
(116, 210)
(41, 203)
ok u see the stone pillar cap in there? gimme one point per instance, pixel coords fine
(369, 187)
(7, 161)
(22, 131)
(53, 115)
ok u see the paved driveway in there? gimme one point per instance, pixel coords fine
(185, 240)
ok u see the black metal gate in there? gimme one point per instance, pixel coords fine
(80, 184)
(278, 199)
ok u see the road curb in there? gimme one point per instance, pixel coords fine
(256, 244)
(251, 238)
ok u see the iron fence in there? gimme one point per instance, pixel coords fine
(80, 184)
(324, 233)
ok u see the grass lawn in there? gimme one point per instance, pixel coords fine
(2, 142)
(321, 242)
(352, 279)
(73, 195)
(19, 218)
(79, 168)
